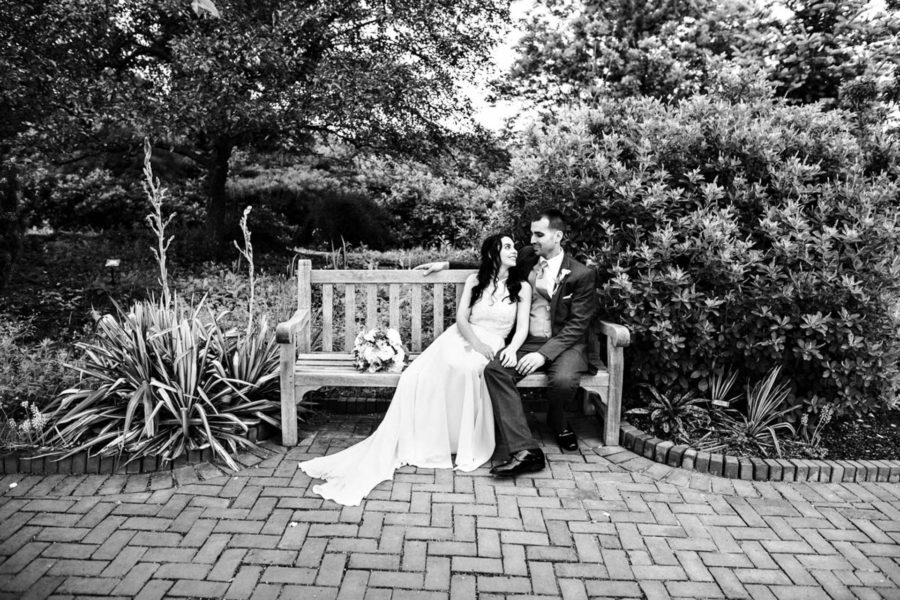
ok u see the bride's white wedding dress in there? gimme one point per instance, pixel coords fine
(441, 407)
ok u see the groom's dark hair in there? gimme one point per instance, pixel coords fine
(555, 216)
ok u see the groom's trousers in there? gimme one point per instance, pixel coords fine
(564, 373)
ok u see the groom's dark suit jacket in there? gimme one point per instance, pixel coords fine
(573, 307)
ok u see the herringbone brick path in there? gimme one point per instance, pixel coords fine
(597, 524)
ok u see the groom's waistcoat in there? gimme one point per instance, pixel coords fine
(540, 324)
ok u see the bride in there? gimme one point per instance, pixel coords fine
(441, 406)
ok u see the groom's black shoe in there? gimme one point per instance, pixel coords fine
(567, 440)
(523, 461)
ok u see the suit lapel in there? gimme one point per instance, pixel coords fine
(561, 278)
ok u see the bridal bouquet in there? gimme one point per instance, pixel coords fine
(379, 349)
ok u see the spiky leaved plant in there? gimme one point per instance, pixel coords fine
(759, 427)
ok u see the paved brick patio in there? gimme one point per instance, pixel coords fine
(602, 523)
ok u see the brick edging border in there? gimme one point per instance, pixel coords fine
(82, 464)
(755, 469)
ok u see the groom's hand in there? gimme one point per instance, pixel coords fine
(531, 363)
(432, 267)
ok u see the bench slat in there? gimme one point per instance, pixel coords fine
(416, 317)
(349, 316)
(438, 310)
(371, 305)
(304, 301)
(394, 314)
(327, 317)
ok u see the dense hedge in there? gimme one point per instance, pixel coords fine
(732, 234)
(375, 202)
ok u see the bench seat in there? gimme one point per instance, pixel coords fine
(336, 370)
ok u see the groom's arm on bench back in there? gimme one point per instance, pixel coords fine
(434, 267)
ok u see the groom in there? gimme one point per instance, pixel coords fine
(564, 303)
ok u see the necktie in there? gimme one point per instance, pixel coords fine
(543, 276)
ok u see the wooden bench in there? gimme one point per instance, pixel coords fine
(304, 369)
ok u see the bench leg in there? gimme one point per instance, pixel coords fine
(289, 405)
(611, 421)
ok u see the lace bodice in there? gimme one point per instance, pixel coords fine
(494, 312)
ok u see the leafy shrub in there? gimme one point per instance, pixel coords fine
(732, 233)
(227, 293)
(159, 382)
(99, 199)
(674, 417)
(96, 198)
(300, 206)
(341, 216)
(433, 210)
(375, 202)
(30, 371)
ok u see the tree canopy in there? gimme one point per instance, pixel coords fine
(268, 74)
(660, 48)
(843, 53)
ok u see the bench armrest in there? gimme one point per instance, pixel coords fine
(618, 335)
(285, 330)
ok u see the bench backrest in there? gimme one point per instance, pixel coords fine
(351, 298)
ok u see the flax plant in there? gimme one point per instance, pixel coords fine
(247, 253)
(764, 418)
(162, 385)
(156, 194)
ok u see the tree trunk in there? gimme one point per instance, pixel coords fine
(217, 200)
(10, 223)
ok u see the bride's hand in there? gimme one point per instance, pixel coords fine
(484, 350)
(507, 357)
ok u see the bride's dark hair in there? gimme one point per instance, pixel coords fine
(490, 267)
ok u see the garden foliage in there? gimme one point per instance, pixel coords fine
(30, 369)
(746, 233)
(433, 209)
(372, 202)
(162, 381)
